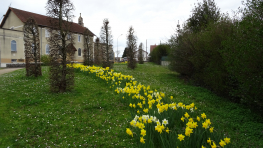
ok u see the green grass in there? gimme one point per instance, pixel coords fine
(89, 116)
(244, 127)
(92, 115)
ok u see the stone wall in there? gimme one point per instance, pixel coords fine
(15, 65)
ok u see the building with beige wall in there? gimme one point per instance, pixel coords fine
(11, 36)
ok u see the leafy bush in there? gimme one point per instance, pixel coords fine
(225, 56)
(182, 50)
(158, 52)
(207, 60)
(45, 59)
(204, 13)
(243, 55)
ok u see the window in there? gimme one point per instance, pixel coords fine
(79, 52)
(69, 36)
(46, 33)
(13, 60)
(13, 45)
(47, 49)
(79, 38)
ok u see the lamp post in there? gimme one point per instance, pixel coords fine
(117, 48)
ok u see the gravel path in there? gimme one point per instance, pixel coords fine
(6, 70)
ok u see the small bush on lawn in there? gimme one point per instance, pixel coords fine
(45, 59)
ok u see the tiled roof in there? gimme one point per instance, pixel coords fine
(41, 20)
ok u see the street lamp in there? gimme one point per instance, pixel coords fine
(117, 47)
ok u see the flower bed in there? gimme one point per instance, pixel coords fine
(158, 121)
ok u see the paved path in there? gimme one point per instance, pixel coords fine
(6, 70)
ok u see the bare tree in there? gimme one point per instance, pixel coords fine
(106, 41)
(61, 42)
(32, 48)
(132, 46)
(97, 52)
(88, 53)
(140, 54)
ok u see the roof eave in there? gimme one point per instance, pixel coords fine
(4, 19)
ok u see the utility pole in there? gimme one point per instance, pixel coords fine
(146, 49)
(117, 49)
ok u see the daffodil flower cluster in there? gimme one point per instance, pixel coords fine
(155, 114)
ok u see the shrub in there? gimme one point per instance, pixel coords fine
(226, 56)
(207, 60)
(181, 51)
(45, 59)
(243, 55)
(158, 52)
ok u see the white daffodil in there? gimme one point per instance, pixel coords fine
(165, 122)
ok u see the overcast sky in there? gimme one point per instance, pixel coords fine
(152, 20)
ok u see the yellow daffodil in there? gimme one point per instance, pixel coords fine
(143, 132)
(211, 129)
(182, 119)
(129, 132)
(195, 125)
(222, 143)
(145, 110)
(186, 115)
(227, 140)
(167, 130)
(181, 137)
(188, 131)
(198, 118)
(203, 115)
(187, 107)
(142, 140)
(209, 141)
(158, 128)
(208, 121)
(149, 121)
(133, 123)
(214, 145)
(140, 104)
(205, 125)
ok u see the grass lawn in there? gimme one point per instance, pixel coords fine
(92, 115)
(237, 122)
(31, 116)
